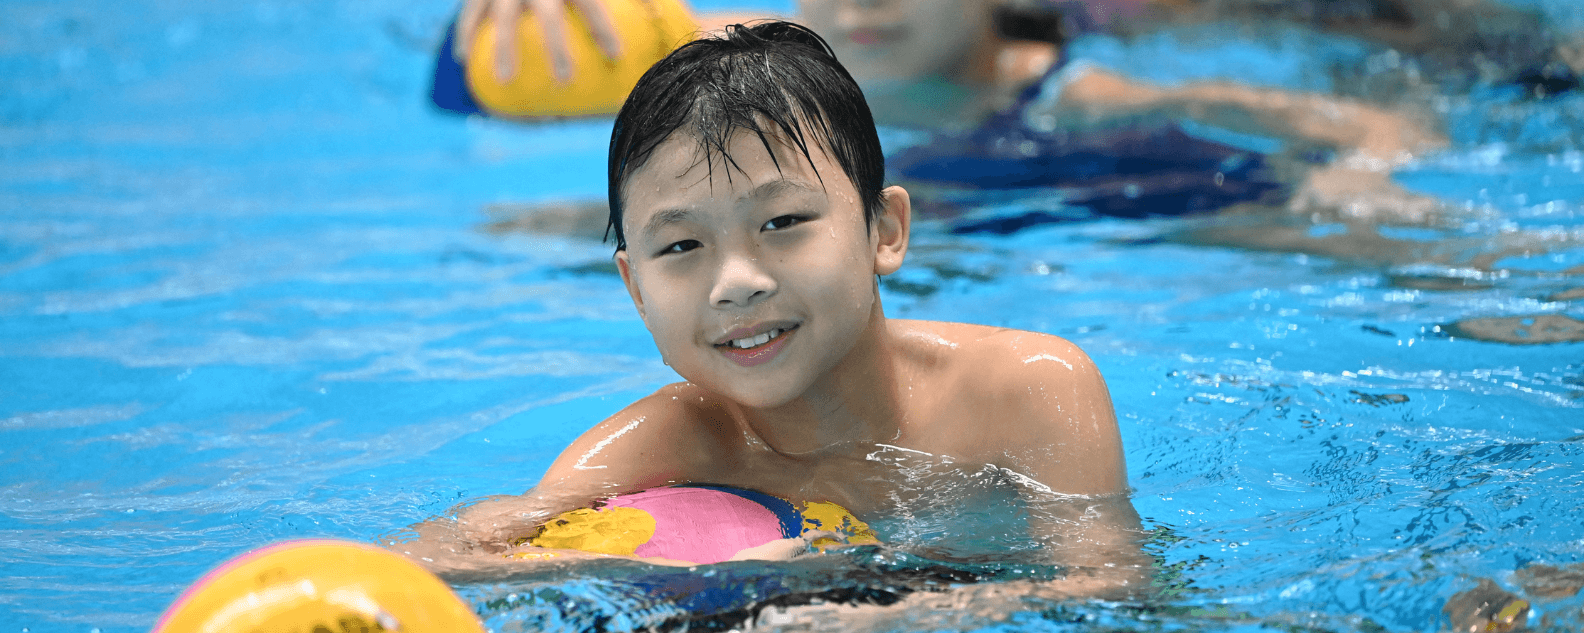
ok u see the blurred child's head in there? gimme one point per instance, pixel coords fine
(773, 79)
(901, 41)
(890, 43)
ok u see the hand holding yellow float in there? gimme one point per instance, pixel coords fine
(565, 57)
(552, 19)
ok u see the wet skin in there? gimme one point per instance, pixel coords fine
(786, 252)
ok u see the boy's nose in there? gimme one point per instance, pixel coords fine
(742, 282)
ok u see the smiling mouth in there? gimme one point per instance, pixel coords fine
(752, 351)
(752, 343)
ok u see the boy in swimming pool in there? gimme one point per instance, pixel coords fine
(751, 223)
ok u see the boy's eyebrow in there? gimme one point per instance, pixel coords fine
(769, 189)
(779, 186)
(662, 218)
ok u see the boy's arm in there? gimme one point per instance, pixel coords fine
(1060, 432)
(643, 446)
(444, 546)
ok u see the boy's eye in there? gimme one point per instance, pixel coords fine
(781, 222)
(681, 247)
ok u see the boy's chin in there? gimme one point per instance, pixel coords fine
(761, 399)
(756, 394)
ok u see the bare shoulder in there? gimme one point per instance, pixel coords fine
(672, 435)
(1038, 403)
(664, 438)
(1038, 370)
(1002, 359)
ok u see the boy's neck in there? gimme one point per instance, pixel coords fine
(856, 404)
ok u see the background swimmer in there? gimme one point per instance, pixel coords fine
(751, 223)
(988, 75)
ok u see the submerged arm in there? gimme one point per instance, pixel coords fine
(469, 544)
(1064, 444)
(1097, 540)
(488, 540)
(1348, 126)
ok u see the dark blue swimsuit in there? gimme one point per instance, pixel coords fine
(1130, 173)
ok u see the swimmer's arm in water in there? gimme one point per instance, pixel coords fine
(447, 546)
(487, 539)
(654, 442)
(552, 15)
(1096, 96)
(443, 547)
(1057, 427)
(1369, 141)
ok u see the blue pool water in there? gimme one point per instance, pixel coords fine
(245, 297)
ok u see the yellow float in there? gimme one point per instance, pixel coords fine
(648, 29)
(319, 586)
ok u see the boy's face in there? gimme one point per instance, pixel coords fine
(716, 261)
(901, 41)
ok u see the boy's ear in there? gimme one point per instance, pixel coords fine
(624, 266)
(891, 228)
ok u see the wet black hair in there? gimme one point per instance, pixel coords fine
(772, 78)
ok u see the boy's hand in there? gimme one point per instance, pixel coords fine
(493, 525)
(787, 548)
(552, 20)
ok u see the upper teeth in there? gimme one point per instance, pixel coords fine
(755, 341)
